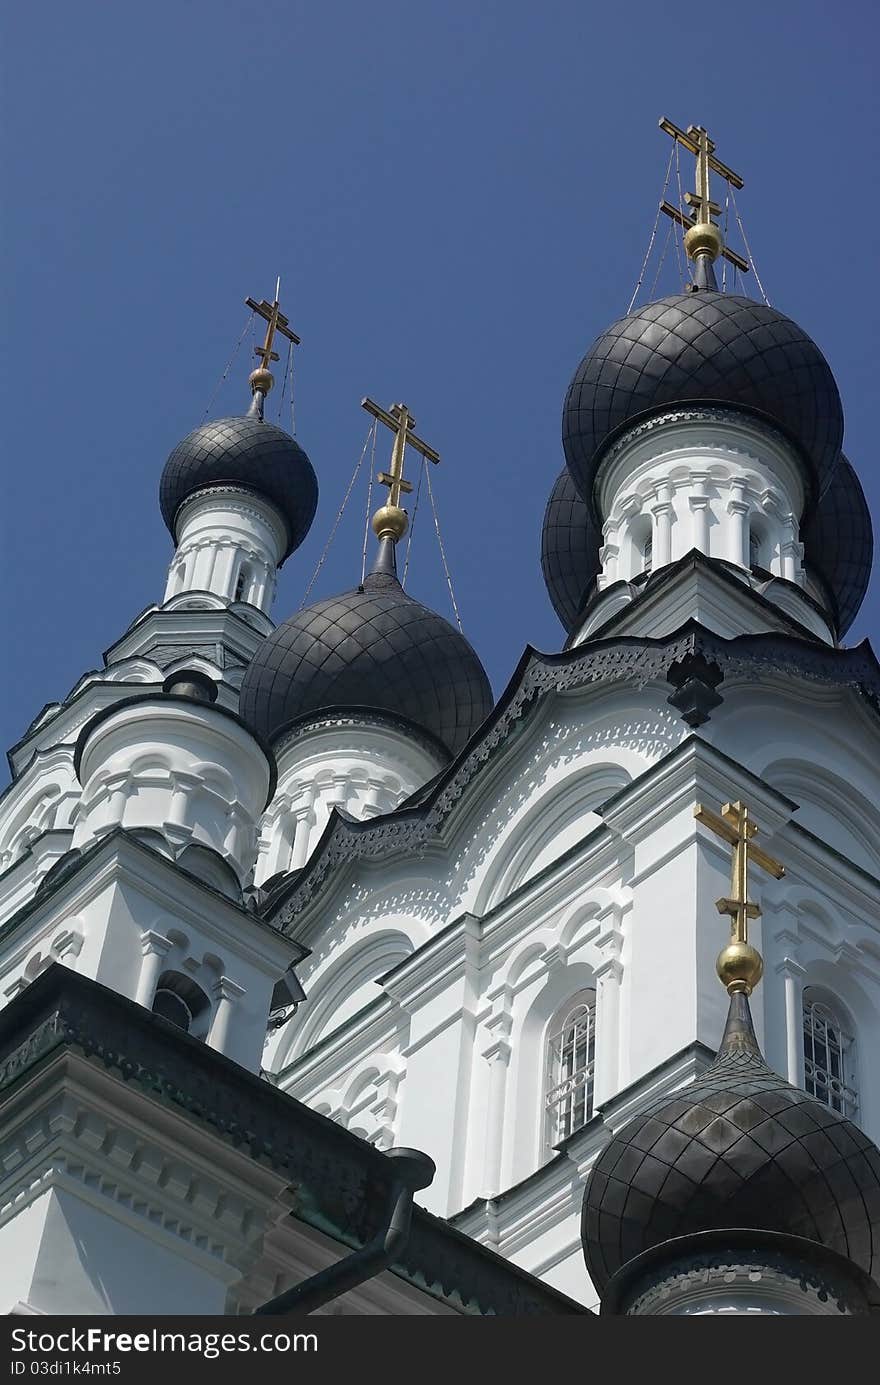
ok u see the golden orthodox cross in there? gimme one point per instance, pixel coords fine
(736, 827)
(275, 322)
(401, 422)
(696, 140)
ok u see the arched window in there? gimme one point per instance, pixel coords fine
(647, 554)
(829, 1057)
(182, 1002)
(571, 1060)
(242, 582)
(754, 549)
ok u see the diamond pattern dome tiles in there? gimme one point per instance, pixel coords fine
(373, 648)
(839, 543)
(570, 546)
(703, 347)
(243, 452)
(739, 1148)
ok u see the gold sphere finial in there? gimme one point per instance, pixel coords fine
(390, 522)
(739, 967)
(261, 379)
(704, 238)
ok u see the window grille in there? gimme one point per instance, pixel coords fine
(570, 1069)
(648, 554)
(829, 1059)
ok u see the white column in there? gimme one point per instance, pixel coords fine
(385, 1108)
(280, 831)
(224, 568)
(155, 949)
(789, 550)
(203, 566)
(609, 557)
(184, 784)
(699, 503)
(498, 1058)
(372, 805)
(738, 529)
(117, 798)
(609, 973)
(260, 594)
(792, 978)
(662, 536)
(175, 577)
(305, 821)
(340, 792)
(226, 992)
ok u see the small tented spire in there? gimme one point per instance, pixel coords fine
(704, 273)
(385, 561)
(739, 1032)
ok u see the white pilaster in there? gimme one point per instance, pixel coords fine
(155, 948)
(226, 992)
(609, 974)
(497, 1055)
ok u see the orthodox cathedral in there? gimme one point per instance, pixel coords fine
(331, 985)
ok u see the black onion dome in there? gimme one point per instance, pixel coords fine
(839, 544)
(243, 452)
(703, 348)
(740, 1148)
(372, 648)
(570, 544)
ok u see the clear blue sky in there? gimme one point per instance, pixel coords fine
(458, 197)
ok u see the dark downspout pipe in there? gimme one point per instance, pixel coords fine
(411, 1170)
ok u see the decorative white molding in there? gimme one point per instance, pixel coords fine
(363, 767)
(188, 772)
(127, 1160)
(225, 534)
(697, 479)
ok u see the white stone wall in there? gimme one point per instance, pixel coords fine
(572, 863)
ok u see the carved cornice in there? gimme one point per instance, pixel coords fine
(708, 415)
(692, 662)
(67, 1136)
(358, 720)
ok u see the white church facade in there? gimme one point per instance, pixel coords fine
(313, 870)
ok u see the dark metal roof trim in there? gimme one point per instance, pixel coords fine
(624, 659)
